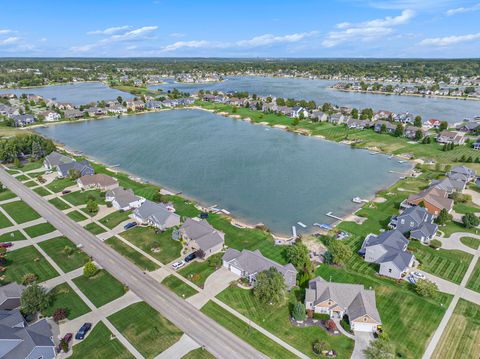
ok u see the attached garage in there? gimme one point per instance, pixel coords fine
(363, 327)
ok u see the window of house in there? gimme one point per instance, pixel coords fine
(390, 270)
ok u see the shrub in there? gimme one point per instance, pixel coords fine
(426, 288)
(330, 324)
(109, 204)
(68, 250)
(214, 261)
(59, 314)
(64, 345)
(470, 220)
(321, 316)
(298, 312)
(89, 269)
(29, 278)
(319, 347)
(435, 243)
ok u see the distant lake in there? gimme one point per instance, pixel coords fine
(76, 93)
(259, 174)
(450, 110)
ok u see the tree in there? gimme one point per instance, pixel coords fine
(214, 261)
(426, 288)
(379, 349)
(330, 324)
(92, 206)
(319, 347)
(470, 220)
(269, 287)
(398, 130)
(74, 174)
(354, 113)
(29, 278)
(64, 345)
(435, 243)
(200, 254)
(298, 312)
(443, 217)
(59, 314)
(295, 121)
(418, 135)
(418, 121)
(298, 255)
(89, 269)
(34, 299)
(340, 252)
(443, 126)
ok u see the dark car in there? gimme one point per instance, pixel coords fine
(6, 244)
(67, 339)
(66, 191)
(129, 225)
(203, 215)
(190, 257)
(83, 331)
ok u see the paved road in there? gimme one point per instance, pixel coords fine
(218, 341)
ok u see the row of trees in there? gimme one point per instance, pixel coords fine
(21, 146)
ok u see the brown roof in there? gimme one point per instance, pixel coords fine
(435, 196)
(100, 179)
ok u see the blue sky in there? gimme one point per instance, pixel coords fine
(181, 28)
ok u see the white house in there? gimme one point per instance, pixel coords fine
(123, 199)
(156, 215)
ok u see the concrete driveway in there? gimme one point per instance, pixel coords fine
(362, 340)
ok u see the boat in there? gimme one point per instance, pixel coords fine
(401, 161)
(323, 226)
(302, 224)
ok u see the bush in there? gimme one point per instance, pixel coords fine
(426, 288)
(319, 347)
(321, 316)
(68, 250)
(109, 204)
(64, 345)
(435, 243)
(29, 278)
(89, 269)
(470, 220)
(298, 312)
(214, 261)
(59, 314)
(330, 324)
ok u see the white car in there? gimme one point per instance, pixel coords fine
(418, 275)
(178, 265)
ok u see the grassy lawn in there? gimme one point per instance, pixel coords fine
(59, 204)
(178, 287)
(146, 329)
(27, 260)
(7, 194)
(132, 255)
(39, 229)
(12, 236)
(447, 264)
(81, 197)
(146, 239)
(276, 320)
(101, 289)
(452, 227)
(55, 248)
(408, 319)
(4, 221)
(29, 166)
(198, 353)
(20, 211)
(183, 207)
(22, 177)
(65, 297)
(470, 242)
(198, 272)
(59, 184)
(41, 191)
(94, 228)
(31, 184)
(77, 216)
(100, 345)
(474, 280)
(462, 334)
(114, 219)
(241, 329)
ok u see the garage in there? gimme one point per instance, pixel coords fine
(363, 327)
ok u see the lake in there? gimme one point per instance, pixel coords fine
(258, 173)
(76, 93)
(450, 110)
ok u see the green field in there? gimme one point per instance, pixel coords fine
(198, 353)
(6, 194)
(94, 228)
(30, 184)
(462, 334)
(56, 249)
(241, 329)
(39, 229)
(101, 289)
(474, 280)
(470, 242)
(29, 166)
(178, 287)
(146, 239)
(4, 221)
(100, 345)
(27, 260)
(114, 219)
(41, 191)
(59, 204)
(146, 329)
(78, 198)
(22, 177)
(65, 297)
(59, 184)
(12, 236)
(198, 271)
(77, 216)
(20, 212)
(132, 255)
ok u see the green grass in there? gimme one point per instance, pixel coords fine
(59, 184)
(39, 229)
(20, 211)
(100, 345)
(94, 228)
(6, 194)
(198, 353)
(55, 248)
(241, 329)
(146, 329)
(146, 239)
(408, 319)
(22, 177)
(453, 227)
(29, 166)
(275, 319)
(78, 198)
(462, 333)
(65, 297)
(12, 236)
(178, 287)
(4, 221)
(41, 191)
(27, 260)
(197, 272)
(77, 216)
(101, 289)
(470, 242)
(31, 184)
(132, 255)
(474, 280)
(114, 219)
(447, 264)
(59, 204)
(465, 208)
(183, 207)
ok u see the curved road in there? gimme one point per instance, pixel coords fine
(217, 340)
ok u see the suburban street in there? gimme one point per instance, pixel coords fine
(217, 340)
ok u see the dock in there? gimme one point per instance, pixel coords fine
(294, 231)
(331, 215)
(302, 224)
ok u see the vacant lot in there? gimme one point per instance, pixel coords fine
(7, 194)
(4, 221)
(199, 353)
(178, 287)
(94, 228)
(82, 197)
(60, 184)
(77, 216)
(59, 204)
(64, 253)
(132, 255)
(101, 289)
(12, 236)
(20, 211)
(41, 191)
(65, 297)
(39, 229)
(114, 219)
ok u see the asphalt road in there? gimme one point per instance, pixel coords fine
(217, 340)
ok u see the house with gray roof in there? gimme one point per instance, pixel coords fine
(84, 168)
(389, 250)
(54, 159)
(450, 185)
(23, 120)
(156, 215)
(247, 264)
(10, 296)
(340, 299)
(416, 222)
(462, 173)
(199, 234)
(123, 199)
(18, 340)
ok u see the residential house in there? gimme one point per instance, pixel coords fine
(298, 111)
(340, 299)
(319, 116)
(156, 215)
(415, 222)
(73, 114)
(451, 137)
(433, 123)
(462, 173)
(389, 250)
(247, 264)
(433, 199)
(50, 116)
(476, 145)
(116, 109)
(23, 120)
(186, 101)
(449, 185)
(10, 296)
(266, 107)
(54, 159)
(65, 106)
(469, 127)
(83, 168)
(411, 132)
(382, 115)
(389, 126)
(123, 199)
(358, 124)
(199, 234)
(135, 105)
(96, 111)
(287, 111)
(154, 104)
(99, 181)
(337, 118)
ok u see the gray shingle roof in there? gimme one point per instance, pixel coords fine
(124, 197)
(203, 233)
(155, 212)
(11, 290)
(54, 159)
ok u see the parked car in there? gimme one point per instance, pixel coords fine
(418, 275)
(203, 215)
(67, 339)
(83, 331)
(190, 257)
(412, 279)
(66, 191)
(129, 225)
(178, 265)
(6, 244)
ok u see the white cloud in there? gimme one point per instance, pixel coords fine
(367, 30)
(461, 10)
(110, 30)
(450, 40)
(10, 41)
(177, 34)
(5, 31)
(134, 34)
